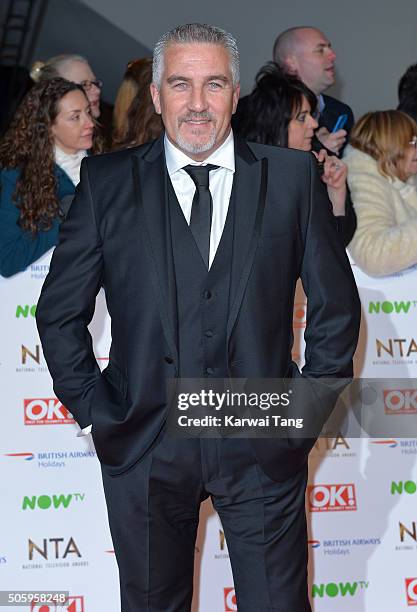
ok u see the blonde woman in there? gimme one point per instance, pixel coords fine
(382, 164)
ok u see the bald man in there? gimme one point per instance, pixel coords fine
(307, 53)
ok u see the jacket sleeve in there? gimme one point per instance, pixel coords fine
(333, 307)
(346, 224)
(333, 316)
(380, 245)
(67, 303)
(19, 248)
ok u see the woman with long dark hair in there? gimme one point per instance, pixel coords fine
(281, 111)
(40, 158)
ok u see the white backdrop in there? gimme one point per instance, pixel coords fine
(361, 501)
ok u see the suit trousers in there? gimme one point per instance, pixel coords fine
(153, 512)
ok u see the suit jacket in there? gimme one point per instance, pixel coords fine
(116, 236)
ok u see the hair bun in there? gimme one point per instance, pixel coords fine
(36, 70)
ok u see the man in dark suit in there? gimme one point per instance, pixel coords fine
(306, 52)
(198, 239)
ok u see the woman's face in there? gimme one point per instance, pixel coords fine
(301, 128)
(81, 73)
(73, 126)
(409, 163)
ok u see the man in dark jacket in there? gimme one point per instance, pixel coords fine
(306, 52)
(198, 239)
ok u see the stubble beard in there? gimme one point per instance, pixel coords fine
(196, 147)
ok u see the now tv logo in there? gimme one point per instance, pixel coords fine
(47, 411)
(391, 307)
(331, 497)
(411, 591)
(230, 604)
(400, 401)
(342, 589)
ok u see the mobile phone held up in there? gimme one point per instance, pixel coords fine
(340, 123)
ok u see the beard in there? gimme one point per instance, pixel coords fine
(194, 147)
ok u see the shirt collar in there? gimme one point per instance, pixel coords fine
(321, 103)
(224, 156)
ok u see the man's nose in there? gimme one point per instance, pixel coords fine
(198, 100)
(332, 54)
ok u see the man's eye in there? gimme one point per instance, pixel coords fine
(180, 86)
(214, 85)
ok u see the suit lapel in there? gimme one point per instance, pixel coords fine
(150, 182)
(249, 194)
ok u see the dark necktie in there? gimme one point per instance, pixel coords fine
(202, 208)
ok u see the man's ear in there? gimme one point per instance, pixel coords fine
(291, 64)
(155, 98)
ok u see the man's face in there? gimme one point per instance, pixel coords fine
(313, 60)
(196, 98)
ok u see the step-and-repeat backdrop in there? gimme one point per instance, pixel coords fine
(361, 500)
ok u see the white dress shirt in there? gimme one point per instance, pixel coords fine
(221, 182)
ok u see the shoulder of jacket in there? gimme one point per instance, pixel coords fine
(274, 153)
(114, 159)
(341, 106)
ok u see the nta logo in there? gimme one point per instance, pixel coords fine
(332, 444)
(47, 411)
(44, 502)
(342, 589)
(390, 307)
(59, 550)
(411, 591)
(230, 599)
(412, 532)
(33, 354)
(396, 347)
(400, 401)
(334, 497)
(222, 539)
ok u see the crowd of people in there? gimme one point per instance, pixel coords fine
(369, 168)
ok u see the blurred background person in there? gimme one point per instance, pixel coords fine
(76, 69)
(40, 158)
(307, 53)
(281, 111)
(134, 119)
(407, 92)
(382, 162)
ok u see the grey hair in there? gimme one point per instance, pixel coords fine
(195, 33)
(285, 44)
(52, 68)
